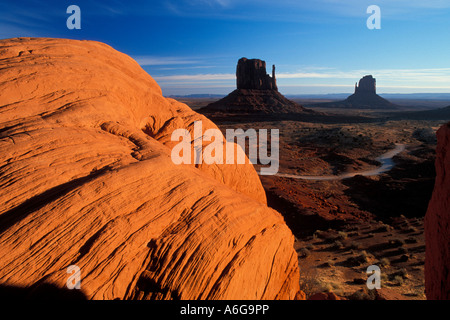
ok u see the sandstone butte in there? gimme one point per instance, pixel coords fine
(437, 224)
(86, 179)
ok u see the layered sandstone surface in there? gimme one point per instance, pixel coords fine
(437, 224)
(87, 180)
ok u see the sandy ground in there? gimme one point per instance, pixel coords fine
(343, 226)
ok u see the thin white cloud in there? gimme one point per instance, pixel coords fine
(162, 61)
(388, 80)
(430, 74)
(313, 75)
(198, 77)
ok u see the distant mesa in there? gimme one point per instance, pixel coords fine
(256, 92)
(365, 97)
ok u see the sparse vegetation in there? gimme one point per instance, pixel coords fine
(310, 283)
(329, 263)
(385, 262)
(337, 245)
(398, 280)
(403, 273)
(342, 235)
(340, 252)
(402, 250)
(363, 294)
(396, 243)
(360, 259)
(384, 228)
(318, 234)
(412, 229)
(355, 245)
(304, 252)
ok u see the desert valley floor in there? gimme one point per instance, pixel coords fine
(342, 226)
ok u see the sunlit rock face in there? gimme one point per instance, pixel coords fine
(87, 179)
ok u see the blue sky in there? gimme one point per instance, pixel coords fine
(318, 46)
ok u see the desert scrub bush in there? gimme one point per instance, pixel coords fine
(384, 278)
(403, 273)
(398, 280)
(355, 245)
(304, 252)
(360, 259)
(310, 283)
(385, 262)
(317, 234)
(337, 245)
(418, 268)
(384, 228)
(364, 255)
(342, 235)
(336, 287)
(396, 243)
(402, 250)
(327, 236)
(329, 263)
(363, 294)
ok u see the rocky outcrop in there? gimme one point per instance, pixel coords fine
(437, 224)
(251, 75)
(365, 97)
(256, 92)
(367, 85)
(87, 180)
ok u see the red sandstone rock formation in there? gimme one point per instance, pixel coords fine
(87, 180)
(251, 75)
(365, 97)
(437, 224)
(367, 84)
(256, 92)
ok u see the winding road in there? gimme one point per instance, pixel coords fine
(386, 164)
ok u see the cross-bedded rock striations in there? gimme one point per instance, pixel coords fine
(437, 224)
(87, 180)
